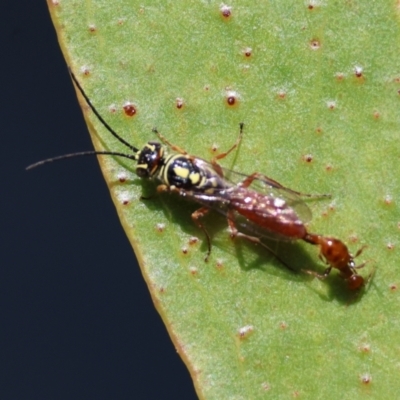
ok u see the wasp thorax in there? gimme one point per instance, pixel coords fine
(149, 160)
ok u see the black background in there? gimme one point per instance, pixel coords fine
(77, 320)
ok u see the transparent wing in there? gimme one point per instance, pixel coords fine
(266, 186)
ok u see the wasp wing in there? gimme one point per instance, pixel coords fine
(261, 184)
(268, 217)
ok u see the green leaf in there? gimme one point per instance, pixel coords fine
(317, 85)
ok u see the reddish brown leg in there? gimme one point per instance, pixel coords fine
(235, 233)
(214, 160)
(200, 213)
(317, 275)
(360, 266)
(271, 182)
(163, 188)
(360, 251)
(370, 277)
(184, 152)
(256, 175)
(168, 143)
(160, 189)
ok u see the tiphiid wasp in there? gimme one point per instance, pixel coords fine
(255, 205)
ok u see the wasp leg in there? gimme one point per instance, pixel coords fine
(258, 176)
(163, 188)
(200, 213)
(160, 189)
(254, 239)
(317, 275)
(360, 251)
(272, 182)
(236, 144)
(360, 266)
(214, 160)
(168, 143)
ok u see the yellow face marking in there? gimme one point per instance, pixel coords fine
(150, 146)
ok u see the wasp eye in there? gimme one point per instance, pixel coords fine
(149, 159)
(142, 172)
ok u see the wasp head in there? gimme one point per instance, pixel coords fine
(149, 159)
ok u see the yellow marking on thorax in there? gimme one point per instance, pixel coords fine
(194, 178)
(181, 172)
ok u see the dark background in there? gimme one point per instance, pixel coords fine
(76, 318)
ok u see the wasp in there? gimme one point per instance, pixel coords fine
(255, 203)
(280, 215)
(194, 178)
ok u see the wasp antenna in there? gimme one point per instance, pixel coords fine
(81, 153)
(100, 118)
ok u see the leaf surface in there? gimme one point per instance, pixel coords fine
(317, 86)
